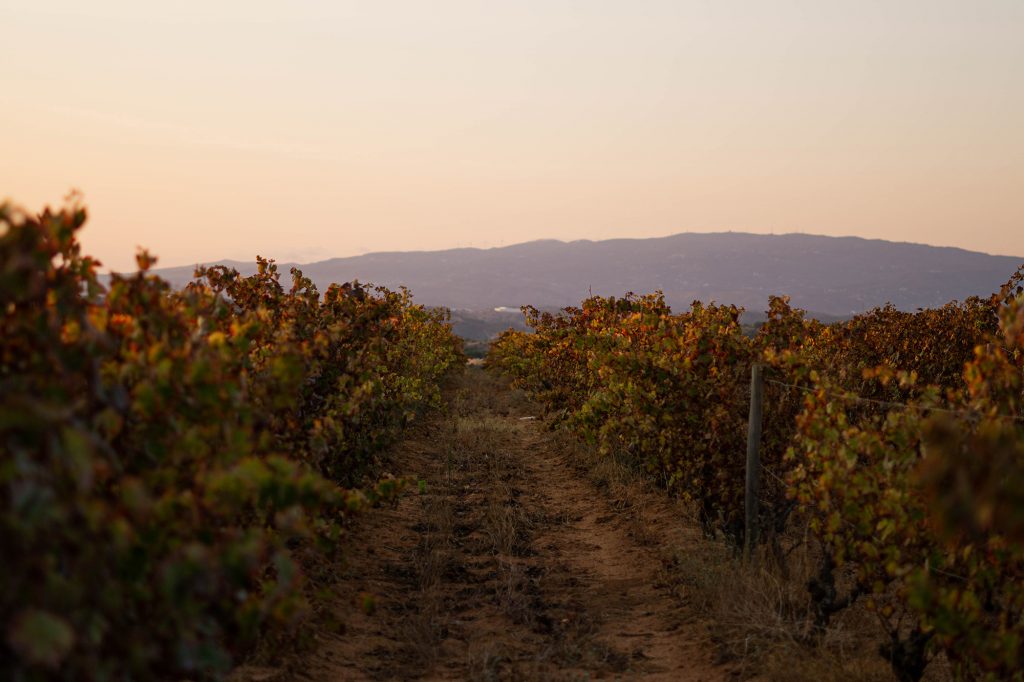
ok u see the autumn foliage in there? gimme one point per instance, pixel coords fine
(165, 454)
(896, 439)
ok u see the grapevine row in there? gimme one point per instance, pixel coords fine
(895, 438)
(169, 459)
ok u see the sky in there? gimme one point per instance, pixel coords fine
(307, 130)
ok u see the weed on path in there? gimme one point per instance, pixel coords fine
(507, 563)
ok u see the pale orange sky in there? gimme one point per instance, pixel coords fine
(305, 130)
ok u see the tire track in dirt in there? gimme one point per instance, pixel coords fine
(511, 565)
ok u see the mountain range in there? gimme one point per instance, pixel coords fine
(830, 276)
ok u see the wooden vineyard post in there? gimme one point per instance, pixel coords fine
(753, 482)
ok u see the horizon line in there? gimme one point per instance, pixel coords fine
(570, 242)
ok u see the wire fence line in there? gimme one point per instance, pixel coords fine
(757, 494)
(843, 520)
(774, 475)
(853, 397)
(753, 391)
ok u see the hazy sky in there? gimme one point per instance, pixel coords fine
(305, 130)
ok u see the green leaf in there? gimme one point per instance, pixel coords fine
(41, 638)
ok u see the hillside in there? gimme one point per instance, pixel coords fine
(828, 275)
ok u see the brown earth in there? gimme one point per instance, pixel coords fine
(511, 562)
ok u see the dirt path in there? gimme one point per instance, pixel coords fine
(511, 564)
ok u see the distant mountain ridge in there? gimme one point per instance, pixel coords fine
(835, 276)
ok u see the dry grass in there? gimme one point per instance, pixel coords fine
(423, 626)
(505, 525)
(758, 614)
(506, 565)
(486, 663)
(482, 438)
(761, 620)
(476, 494)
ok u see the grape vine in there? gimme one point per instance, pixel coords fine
(167, 457)
(897, 438)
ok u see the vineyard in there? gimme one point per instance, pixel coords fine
(174, 460)
(193, 479)
(892, 449)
